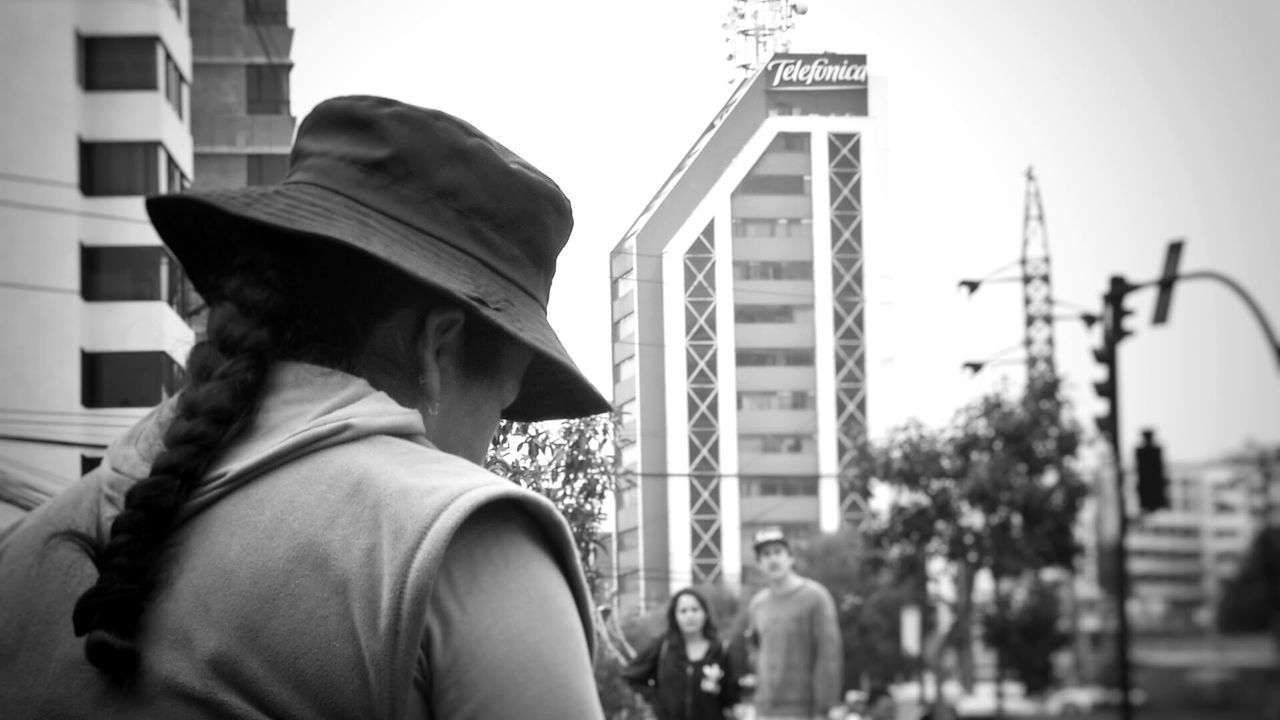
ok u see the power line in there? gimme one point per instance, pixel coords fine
(76, 413)
(37, 288)
(67, 211)
(48, 441)
(33, 180)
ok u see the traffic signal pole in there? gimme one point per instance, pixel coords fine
(1114, 331)
(1109, 389)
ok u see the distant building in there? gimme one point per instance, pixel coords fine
(100, 115)
(1179, 558)
(242, 125)
(739, 318)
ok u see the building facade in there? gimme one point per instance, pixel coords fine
(739, 327)
(93, 331)
(243, 129)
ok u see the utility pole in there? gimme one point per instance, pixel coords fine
(1114, 314)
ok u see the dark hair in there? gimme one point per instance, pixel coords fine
(316, 306)
(673, 630)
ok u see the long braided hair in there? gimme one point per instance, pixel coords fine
(317, 307)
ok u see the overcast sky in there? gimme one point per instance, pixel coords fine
(1145, 120)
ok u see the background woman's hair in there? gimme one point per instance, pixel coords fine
(316, 306)
(673, 629)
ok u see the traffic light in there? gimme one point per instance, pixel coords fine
(1106, 390)
(1153, 486)
(1114, 330)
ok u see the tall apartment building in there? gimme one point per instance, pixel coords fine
(92, 306)
(91, 332)
(243, 128)
(739, 319)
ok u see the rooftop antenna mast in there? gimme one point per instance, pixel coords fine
(755, 30)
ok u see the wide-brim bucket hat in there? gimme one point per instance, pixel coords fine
(428, 195)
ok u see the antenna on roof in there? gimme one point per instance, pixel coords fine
(755, 30)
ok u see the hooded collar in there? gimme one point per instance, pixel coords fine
(305, 408)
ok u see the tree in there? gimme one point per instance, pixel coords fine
(1025, 631)
(572, 464)
(995, 491)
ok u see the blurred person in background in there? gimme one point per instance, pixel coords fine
(793, 625)
(687, 674)
(305, 529)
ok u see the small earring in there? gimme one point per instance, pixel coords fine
(422, 380)
(433, 407)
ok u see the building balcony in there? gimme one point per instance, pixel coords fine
(797, 422)
(777, 378)
(777, 464)
(772, 248)
(134, 326)
(772, 292)
(232, 42)
(772, 206)
(783, 163)
(769, 509)
(242, 133)
(136, 116)
(770, 335)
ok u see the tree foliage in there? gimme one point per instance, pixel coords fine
(1025, 631)
(1251, 600)
(571, 463)
(869, 603)
(995, 491)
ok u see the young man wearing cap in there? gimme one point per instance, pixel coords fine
(797, 637)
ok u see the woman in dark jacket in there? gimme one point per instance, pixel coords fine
(687, 674)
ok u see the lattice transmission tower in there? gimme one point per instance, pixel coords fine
(1038, 309)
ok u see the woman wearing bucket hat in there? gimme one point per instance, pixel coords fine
(303, 531)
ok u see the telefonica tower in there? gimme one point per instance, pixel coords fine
(739, 328)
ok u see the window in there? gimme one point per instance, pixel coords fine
(119, 168)
(266, 12)
(176, 181)
(119, 63)
(779, 486)
(267, 89)
(266, 169)
(628, 539)
(772, 444)
(754, 227)
(127, 379)
(791, 142)
(624, 369)
(774, 185)
(627, 411)
(130, 273)
(174, 83)
(625, 327)
(624, 283)
(792, 357)
(629, 582)
(775, 400)
(749, 314)
(88, 463)
(766, 270)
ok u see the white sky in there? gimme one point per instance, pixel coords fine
(1145, 121)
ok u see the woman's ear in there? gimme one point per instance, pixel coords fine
(440, 350)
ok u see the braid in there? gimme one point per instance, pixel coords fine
(228, 373)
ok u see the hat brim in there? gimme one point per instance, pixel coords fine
(199, 229)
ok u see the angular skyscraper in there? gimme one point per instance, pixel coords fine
(739, 329)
